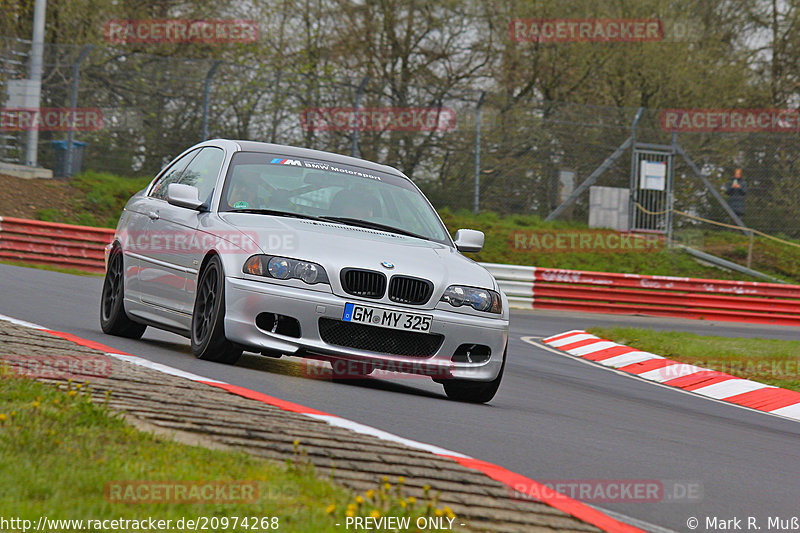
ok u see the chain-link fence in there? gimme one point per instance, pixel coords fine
(153, 107)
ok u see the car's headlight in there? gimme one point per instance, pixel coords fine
(478, 299)
(285, 268)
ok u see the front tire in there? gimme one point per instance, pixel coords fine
(208, 318)
(474, 391)
(113, 319)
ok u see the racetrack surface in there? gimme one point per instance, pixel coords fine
(554, 418)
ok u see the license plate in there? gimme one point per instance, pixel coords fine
(386, 318)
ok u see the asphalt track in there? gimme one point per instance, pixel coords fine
(554, 418)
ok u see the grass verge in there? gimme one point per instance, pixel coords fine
(771, 361)
(51, 268)
(61, 451)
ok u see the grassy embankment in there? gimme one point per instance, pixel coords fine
(60, 451)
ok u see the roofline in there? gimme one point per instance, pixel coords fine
(294, 151)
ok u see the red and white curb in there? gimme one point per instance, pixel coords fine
(702, 381)
(516, 482)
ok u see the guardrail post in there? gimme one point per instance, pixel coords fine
(73, 103)
(477, 189)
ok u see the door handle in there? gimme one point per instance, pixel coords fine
(153, 215)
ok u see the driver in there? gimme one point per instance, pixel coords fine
(352, 203)
(243, 192)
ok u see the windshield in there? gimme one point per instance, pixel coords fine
(344, 194)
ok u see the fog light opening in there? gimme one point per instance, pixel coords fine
(472, 353)
(278, 324)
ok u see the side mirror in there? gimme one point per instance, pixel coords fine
(183, 195)
(469, 240)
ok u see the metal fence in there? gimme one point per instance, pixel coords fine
(530, 153)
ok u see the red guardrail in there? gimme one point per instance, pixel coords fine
(602, 292)
(50, 243)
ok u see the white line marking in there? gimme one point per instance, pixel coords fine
(790, 411)
(385, 435)
(629, 359)
(163, 368)
(572, 338)
(731, 387)
(565, 333)
(592, 348)
(671, 372)
(21, 322)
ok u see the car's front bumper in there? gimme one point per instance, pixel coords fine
(245, 299)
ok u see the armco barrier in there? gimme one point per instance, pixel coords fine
(81, 247)
(710, 299)
(48, 243)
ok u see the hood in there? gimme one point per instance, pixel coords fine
(337, 246)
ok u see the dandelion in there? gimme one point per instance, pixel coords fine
(370, 494)
(402, 503)
(79, 386)
(351, 507)
(350, 514)
(426, 488)
(387, 486)
(375, 514)
(296, 443)
(438, 512)
(412, 500)
(359, 500)
(331, 508)
(72, 393)
(401, 480)
(449, 512)
(3, 417)
(36, 403)
(385, 479)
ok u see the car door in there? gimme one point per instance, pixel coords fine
(153, 234)
(202, 172)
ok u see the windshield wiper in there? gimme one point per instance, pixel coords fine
(276, 213)
(373, 225)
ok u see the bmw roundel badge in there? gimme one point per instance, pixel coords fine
(387, 264)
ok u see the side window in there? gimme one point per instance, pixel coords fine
(203, 171)
(159, 190)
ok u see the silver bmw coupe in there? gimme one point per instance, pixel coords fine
(277, 250)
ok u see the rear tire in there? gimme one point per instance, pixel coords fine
(208, 318)
(463, 390)
(113, 319)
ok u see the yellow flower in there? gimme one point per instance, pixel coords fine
(401, 480)
(387, 486)
(296, 442)
(426, 488)
(403, 503)
(79, 386)
(351, 507)
(350, 513)
(13, 413)
(438, 512)
(331, 508)
(375, 514)
(359, 500)
(72, 393)
(412, 500)
(3, 417)
(370, 494)
(36, 404)
(449, 512)
(385, 479)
